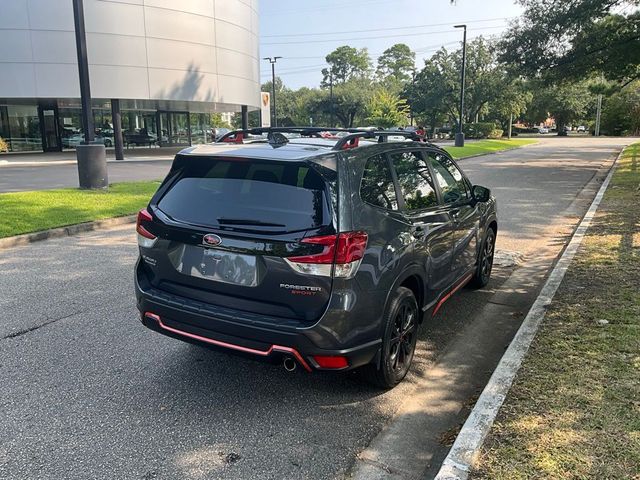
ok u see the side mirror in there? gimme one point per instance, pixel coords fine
(480, 194)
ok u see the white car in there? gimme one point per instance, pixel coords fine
(581, 128)
(543, 130)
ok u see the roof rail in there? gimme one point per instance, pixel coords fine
(274, 135)
(304, 131)
(351, 141)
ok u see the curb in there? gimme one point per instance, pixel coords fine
(68, 231)
(464, 452)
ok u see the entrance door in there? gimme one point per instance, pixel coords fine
(49, 127)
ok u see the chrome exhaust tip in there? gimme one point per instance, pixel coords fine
(289, 364)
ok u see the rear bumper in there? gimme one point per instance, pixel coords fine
(174, 317)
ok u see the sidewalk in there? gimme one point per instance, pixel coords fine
(69, 157)
(574, 410)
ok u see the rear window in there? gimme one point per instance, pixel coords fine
(248, 195)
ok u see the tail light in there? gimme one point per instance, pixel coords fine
(145, 237)
(341, 254)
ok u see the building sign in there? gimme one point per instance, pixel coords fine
(265, 109)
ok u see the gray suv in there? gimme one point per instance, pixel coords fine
(318, 248)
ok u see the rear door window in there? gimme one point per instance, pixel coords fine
(377, 186)
(248, 195)
(414, 178)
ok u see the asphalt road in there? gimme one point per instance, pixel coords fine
(87, 392)
(17, 178)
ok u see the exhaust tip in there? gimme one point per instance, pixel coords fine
(289, 364)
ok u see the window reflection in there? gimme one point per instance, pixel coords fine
(415, 180)
(20, 127)
(449, 179)
(377, 184)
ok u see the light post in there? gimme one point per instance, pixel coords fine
(460, 134)
(92, 158)
(272, 61)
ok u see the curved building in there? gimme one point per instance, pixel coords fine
(169, 64)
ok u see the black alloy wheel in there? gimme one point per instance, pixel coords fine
(485, 260)
(398, 342)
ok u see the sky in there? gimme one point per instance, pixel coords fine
(304, 32)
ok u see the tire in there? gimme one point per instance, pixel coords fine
(485, 261)
(398, 341)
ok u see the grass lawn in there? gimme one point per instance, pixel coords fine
(25, 212)
(574, 409)
(486, 146)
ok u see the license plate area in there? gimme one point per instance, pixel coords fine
(216, 265)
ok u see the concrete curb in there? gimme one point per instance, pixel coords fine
(64, 231)
(465, 450)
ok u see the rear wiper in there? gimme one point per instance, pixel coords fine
(247, 221)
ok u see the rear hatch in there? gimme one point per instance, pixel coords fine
(225, 225)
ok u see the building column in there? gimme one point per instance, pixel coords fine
(245, 117)
(116, 119)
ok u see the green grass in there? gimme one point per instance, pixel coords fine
(25, 212)
(574, 409)
(486, 146)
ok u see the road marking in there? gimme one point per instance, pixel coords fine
(464, 452)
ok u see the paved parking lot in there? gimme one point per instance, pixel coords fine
(87, 392)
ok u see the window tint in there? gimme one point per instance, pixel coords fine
(248, 195)
(449, 179)
(415, 180)
(377, 184)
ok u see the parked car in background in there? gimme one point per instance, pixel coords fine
(319, 253)
(582, 128)
(74, 140)
(543, 130)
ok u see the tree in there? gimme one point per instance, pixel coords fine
(564, 102)
(386, 109)
(513, 101)
(574, 39)
(397, 62)
(621, 112)
(435, 92)
(349, 101)
(346, 63)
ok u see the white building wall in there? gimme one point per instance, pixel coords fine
(185, 50)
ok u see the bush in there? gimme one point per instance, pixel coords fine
(496, 133)
(4, 147)
(479, 130)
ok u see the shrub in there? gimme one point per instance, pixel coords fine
(496, 133)
(479, 130)
(4, 146)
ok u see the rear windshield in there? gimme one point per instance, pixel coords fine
(247, 195)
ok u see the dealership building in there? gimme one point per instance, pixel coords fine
(165, 65)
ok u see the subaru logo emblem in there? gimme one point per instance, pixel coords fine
(211, 239)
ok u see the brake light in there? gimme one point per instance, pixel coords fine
(341, 253)
(145, 237)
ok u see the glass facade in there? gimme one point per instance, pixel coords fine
(23, 127)
(20, 127)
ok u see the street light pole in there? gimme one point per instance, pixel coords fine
(333, 113)
(273, 61)
(460, 134)
(92, 158)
